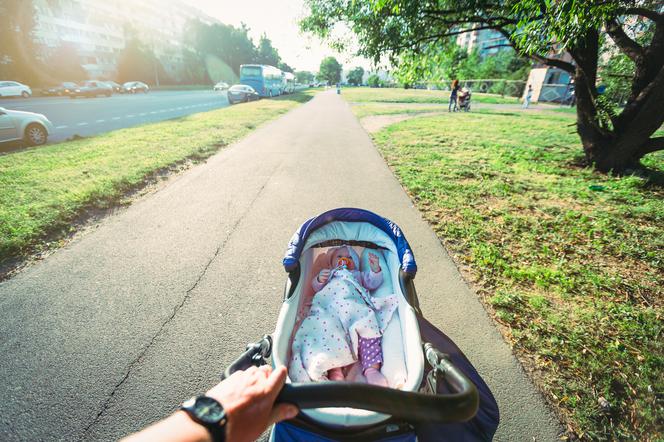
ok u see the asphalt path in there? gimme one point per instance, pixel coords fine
(91, 116)
(116, 329)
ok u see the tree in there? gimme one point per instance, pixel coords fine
(330, 70)
(541, 30)
(18, 59)
(228, 43)
(304, 77)
(355, 76)
(266, 53)
(65, 65)
(374, 81)
(285, 67)
(138, 63)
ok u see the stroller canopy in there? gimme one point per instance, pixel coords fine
(297, 242)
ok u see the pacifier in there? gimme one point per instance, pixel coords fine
(345, 263)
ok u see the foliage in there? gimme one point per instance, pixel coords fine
(285, 67)
(266, 53)
(44, 189)
(137, 62)
(355, 76)
(330, 70)
(65, 65)
(412, 31)
(17, 49)
(192, 70)
(570, 261)
(304, 77)
(374, 81)
(441, 63)
(232, 45)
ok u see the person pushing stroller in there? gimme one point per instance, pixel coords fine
(453, 97)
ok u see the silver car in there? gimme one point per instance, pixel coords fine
(33, 129)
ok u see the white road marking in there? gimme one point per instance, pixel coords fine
(153, 112)
(100, 121)
(82, 124)
(131, 116)
(179, 108)
(115, 118)
(61, 127)
(142, 114)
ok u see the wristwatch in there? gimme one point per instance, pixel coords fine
(209, 413)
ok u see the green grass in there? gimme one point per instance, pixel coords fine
(396, 95)
(45, 189)
(571, 262)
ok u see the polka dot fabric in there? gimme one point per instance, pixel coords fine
(342, 315)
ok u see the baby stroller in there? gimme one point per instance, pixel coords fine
(463, 99)
(440, 395)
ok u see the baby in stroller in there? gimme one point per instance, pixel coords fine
(344, 324)
(463, 99)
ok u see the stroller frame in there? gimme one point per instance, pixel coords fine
(447, 400)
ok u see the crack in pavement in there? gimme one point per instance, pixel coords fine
(177, 308)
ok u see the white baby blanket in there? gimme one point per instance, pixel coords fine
(340, 313)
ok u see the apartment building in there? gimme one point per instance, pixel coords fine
(99, 29)
(486, 41)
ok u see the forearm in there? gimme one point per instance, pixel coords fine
(178, 427)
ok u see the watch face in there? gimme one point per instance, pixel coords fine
(208, 410)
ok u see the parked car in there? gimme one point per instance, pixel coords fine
(14, 89)
(132, 87)
(91, 88)
(33, 129)
(242, 93)
(221, 86)
(117, 88)
(61, 89)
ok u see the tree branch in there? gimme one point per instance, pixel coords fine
(631, 48)
(560, 64)
(438, 37)
(652, 145)
(648, 13)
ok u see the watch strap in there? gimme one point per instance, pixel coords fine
(216, 430)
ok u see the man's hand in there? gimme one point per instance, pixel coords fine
(324, 275)
(248, 399)
(374, 263)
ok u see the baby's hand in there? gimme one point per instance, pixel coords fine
(323, 276)
(374, 263)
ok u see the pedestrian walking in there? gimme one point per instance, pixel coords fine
(453, 96)
(529, 95)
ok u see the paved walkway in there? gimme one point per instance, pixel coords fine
(116, 329)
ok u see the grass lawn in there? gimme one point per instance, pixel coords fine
(397, 95)
(44, 189)
(570, 262)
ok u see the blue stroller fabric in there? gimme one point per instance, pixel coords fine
(298, 240)
(485, 423)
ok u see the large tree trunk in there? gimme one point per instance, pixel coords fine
(617, 146)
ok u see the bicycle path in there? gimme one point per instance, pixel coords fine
(116, 329)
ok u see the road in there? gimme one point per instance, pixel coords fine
(91, 116)
(117, 328)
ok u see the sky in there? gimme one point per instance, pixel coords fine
(278, 20)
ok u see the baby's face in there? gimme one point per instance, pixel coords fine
(347, 258)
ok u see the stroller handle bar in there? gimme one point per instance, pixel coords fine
(459, 405)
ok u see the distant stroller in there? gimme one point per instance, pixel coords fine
(463, 99)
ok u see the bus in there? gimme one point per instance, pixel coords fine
(268, 81)
(289, 80)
